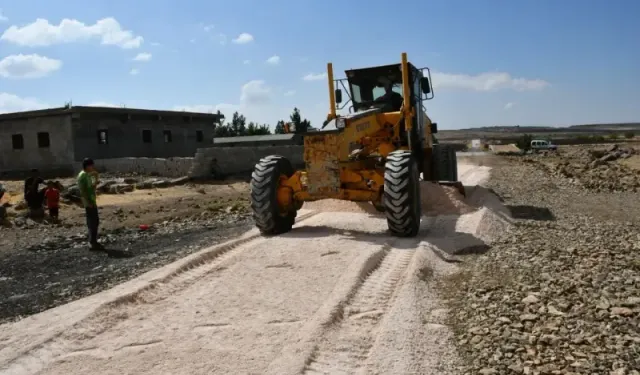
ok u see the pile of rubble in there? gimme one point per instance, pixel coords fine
(554, 296)
(124, 185)
(598, 169)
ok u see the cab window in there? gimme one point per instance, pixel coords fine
(379, 91)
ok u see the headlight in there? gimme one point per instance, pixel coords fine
(340, 123)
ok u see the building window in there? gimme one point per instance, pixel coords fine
(146, 136)
(17, 141)
(43, 140)
(199, 136)
(167, 136)
(103, 137)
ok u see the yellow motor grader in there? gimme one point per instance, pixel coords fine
(376, 153)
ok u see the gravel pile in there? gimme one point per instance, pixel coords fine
(559, 293)
(594, 168)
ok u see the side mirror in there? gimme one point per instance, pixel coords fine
(434, 127)
(425, 86)
(338, 96)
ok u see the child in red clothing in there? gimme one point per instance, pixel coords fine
(52, 194)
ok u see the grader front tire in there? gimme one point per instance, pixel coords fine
(265, 180)
(402, 194)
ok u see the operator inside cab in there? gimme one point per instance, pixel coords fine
(392, 99)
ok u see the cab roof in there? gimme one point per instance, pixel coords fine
(393, 70)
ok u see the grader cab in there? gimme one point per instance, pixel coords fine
(376, 153)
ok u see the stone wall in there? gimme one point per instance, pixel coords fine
(224, 161)
(170, 167)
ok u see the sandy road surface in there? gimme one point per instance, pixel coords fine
(336, 295)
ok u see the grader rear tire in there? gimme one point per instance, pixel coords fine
(402, 194)
(445, 164)
(265, 180)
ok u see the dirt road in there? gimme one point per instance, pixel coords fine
(336, 295)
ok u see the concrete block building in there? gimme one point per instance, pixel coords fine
(56, 139)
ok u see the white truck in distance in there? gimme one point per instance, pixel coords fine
(542, 145)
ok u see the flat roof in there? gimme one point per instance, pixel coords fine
(106, 110)
(256, 138)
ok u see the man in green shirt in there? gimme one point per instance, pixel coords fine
(87, 186)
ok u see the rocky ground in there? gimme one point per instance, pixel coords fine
(600, 168)
(46, 264)
(560, 293)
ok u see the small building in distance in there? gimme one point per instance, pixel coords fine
(52, 140)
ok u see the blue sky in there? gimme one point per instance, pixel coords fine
(493, 62)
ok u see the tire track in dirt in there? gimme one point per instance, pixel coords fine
(36, 357)
(345, 345)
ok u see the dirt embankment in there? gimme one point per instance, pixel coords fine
(601, 168)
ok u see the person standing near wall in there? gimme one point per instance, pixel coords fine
(3, 209)
(33, 195)
(87, 181)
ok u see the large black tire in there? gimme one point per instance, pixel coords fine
(264, 189)
(444, 163)
(402, 194)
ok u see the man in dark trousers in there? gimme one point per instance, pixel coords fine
(87, 185)
(32, 194)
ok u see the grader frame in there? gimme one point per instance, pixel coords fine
(374, 155)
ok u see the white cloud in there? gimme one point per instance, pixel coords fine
(243, 38)
(314, 77)
(207, 108)
(134, 72)
(254, 95)
(28, 66)
(222, 39)
(142, 56)
(508, 106)
(103, 104)
(3, 17)
(290, 93)
(155, 44)
(486, 82)
(273, 60)
(42, 33)
(192, 40)
(246, 62)
(14, 103)
(208, 28)
(255, 92)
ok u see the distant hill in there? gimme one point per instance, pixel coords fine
(554, 129)
(503, 133)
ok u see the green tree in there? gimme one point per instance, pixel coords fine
(222, 130)
(255, 129)
(629, 135)
(524, 143)
(238, 125)
(279, 129)
(300, 125)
